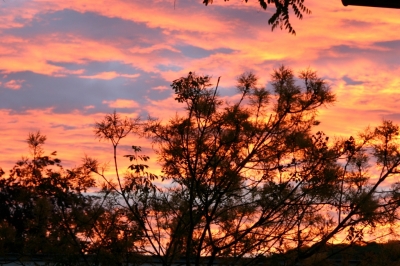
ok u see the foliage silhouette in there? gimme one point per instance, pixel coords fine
(46, 211)
(281, 16)
(283, 8)
(242, 182)
(371, 3)
(250, 179)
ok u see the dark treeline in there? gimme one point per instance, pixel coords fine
(246, 181)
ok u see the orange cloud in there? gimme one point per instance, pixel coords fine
(122, 103)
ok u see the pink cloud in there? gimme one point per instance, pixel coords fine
(65, 72)
(89, 107)
(14, 84)
(110, 75)
(160, 88)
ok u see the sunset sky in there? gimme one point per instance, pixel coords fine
(64, 64)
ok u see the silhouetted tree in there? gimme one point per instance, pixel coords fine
(250, 179)
(46, 211)
(242, 181)
(131, 190)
